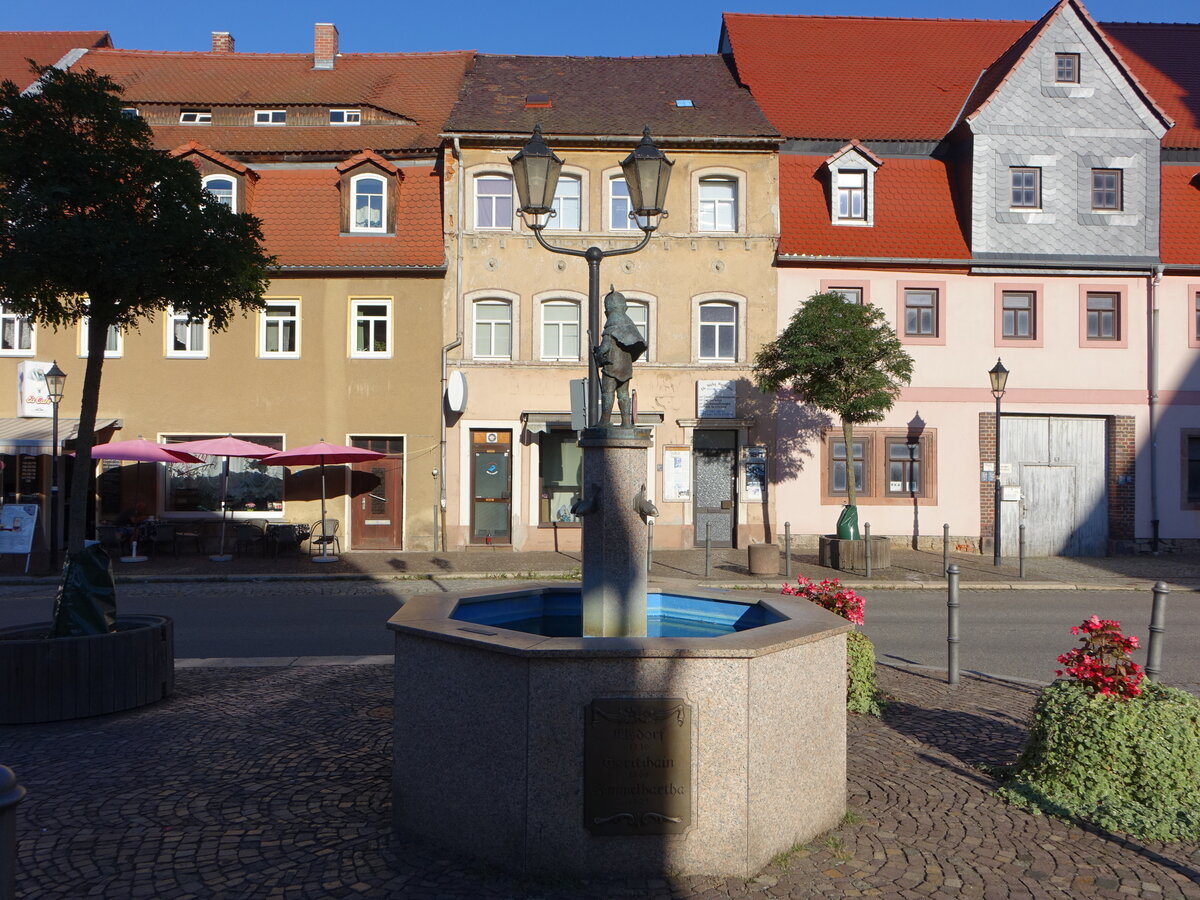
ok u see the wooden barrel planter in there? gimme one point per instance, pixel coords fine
(850, 556)
(47, 680)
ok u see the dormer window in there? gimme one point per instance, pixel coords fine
(129, 112)
(345, 117)
(270, 117)
(1066, 68)
(852, 194)
(852, 185)
(368, 196)
(195, 117)
(223, 187)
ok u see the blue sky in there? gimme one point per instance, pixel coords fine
(663, 26)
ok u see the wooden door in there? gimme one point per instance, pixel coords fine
(377, 504)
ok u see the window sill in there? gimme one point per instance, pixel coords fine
(18, 353)
(187, 355)
(390, 234)
(853, 223)
(1030, 217)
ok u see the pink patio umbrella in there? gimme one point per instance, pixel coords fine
(316, 454)
(224, 446)
(140, 450)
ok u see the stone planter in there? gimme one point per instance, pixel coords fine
(48, 680)
(850, 556)
(763, 559)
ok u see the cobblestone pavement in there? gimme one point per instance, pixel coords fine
(273, 783)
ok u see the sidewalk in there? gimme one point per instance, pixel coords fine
(910, 569)
(275, 783)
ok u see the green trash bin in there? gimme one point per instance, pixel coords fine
(847, 524)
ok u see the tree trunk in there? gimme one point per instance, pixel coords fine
(86, 437)
(851, 480)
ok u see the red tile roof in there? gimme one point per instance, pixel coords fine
(300, 211)
(43, 47)
(219, 158)
(907, 191)
(841, 77)
(421, 87)
(1180, 214)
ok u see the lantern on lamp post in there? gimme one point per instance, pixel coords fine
(647, 174)
(998, 375)
(56, 380)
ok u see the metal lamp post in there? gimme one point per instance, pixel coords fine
(999, 378)
(647, 172)
(56, 380)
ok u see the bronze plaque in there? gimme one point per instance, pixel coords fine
(637, 772)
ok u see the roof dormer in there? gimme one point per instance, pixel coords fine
(369, 185)
(230, 181)
(852, 185)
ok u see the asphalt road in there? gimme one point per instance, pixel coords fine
(1011, 633)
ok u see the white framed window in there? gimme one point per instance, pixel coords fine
(114, 345)
(718, 332)
(568, 205)
(493, 329)
(130, 112)
(371, 328)
(279, 330)
(345, 117)
(639, 312)
(16, 333)
(494, 202)
(195, 117)
(187, 338)
(223, 187)
(368, 204)
(619, 207)
(560, 330)
(270, 117)
(852, 194)
(718, 205)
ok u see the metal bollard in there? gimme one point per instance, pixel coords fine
(867, 546)
(11, 794)
(649, 545)
(1158, 612)
(787, 550)
(952, 625)
(1021, 550)
(708, 549)
(945, 547)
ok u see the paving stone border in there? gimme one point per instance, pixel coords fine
(274, 783)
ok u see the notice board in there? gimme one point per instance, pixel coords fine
(17, 524)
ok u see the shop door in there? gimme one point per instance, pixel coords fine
(377, 497)
(491, 487)
(714, 487)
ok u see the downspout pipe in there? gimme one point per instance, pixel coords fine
(439, 535)
(1152, 282)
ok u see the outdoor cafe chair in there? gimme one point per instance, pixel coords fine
(248, 537)
(323, 538)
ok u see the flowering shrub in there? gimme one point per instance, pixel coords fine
(1102, 663)
(831, 595)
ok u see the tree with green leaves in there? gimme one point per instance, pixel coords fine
(98, 224)
(840, 357)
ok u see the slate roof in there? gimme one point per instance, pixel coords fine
(906, 191)
(43, 47)
(837, 77)
(421, 87)
(608, 96)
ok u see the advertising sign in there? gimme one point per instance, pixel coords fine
(33, 399)
(716, 399)
(677, 474)
(17, 521)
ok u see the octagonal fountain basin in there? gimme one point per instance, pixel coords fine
(557, 612)
(706, 747)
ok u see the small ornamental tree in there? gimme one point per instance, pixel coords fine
(841, 357)
(98, 224)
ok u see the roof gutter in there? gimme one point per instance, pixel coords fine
(761, 140)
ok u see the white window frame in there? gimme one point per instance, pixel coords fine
(557, 326)
(476, 181)
(182, 317)
(627, 224)
(5, 317)
(558, 222)
(493, 300)
(195, 117)
(355, 184)
(716, 204)
(852, 162)
(349, 116)
(233, 189)
(270, 117)
(852, 186)
(264, 321)
(115, 353)
(356, 303)
(738, 326)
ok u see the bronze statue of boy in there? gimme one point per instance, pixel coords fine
(620, 345)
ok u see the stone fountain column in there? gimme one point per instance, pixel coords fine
(614, 531)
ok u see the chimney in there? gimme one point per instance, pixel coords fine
(325, 45)
(222, 42)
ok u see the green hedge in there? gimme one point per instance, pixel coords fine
(861, 696)
(1126, 766)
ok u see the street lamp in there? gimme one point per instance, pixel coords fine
(647, 174)
(56, 380)
(998, 375)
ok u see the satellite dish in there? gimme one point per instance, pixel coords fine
(456, 392)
